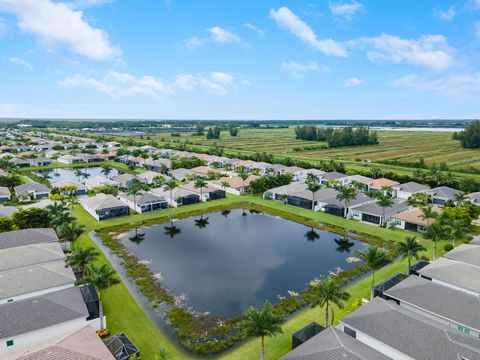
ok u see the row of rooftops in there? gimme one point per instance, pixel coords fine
(431, 316)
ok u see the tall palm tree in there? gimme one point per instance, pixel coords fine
(225, 185)
(374, 258)
(261, 323)
(346, 194)
(329, 291)
(384, 201)
(134, 189)
(313, 187)
(456, 230)
(311, 178)
(200, 184)
(428, 214)
(72, 201)
(409, 249)
(170, 185)
(244, 176)
(44, 176)
(102, 277)
(460, 198)
(435, 232)
(71, 232)
(106, 170)
(158, 180)
(82, 258)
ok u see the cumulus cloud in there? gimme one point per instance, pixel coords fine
(21, 62)
(430, 51)
(346, 10)
(446, 15)
(462, 87)
(116, 84)
(298, 70)
(288, 20)
(222, 35)
(57, 23)
(252, 27)
(353, 82)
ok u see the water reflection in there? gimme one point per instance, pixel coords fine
(344, 244)
(201, 223)
(226, 213)
(236, 261)
(312, 235)
(138, 237)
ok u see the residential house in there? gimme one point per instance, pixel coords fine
(412, 219)
(24, 237)
(148, 177)
(302, 175)
(404, 191)
(373, 213)
(178, 196)
(203, 171)
(158, 165)
(63, 184)
(383, 183)
(208, 192)
(333, 344)
(83, 344)
(31, 191)
(180, 174)
(440, 195)
(453, 309)
(474, 198)
(362, 183)
(41, 318)
(125, 180)
(295, 171)
(104, 206)
(69, 159)
(332, 176)
(403, 334)
(39, 161)
(236, 185)
(98, 181)
(465, 253)
(284, 191)
(19, 162)
(5, 194)
(144, 202)
(32, 254)
(7, 211)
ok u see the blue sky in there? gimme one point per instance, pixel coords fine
(214, 59)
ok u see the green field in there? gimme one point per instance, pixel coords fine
(404, 146)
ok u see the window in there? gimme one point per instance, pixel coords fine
(9, 343)
(9, 300)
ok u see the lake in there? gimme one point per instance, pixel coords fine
(69, 173)
(224, 262)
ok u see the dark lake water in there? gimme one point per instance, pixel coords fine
(69, 173)
(224, 263)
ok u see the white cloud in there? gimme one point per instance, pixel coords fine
(462, 87)
(3, 27)
(252, 27)
(446, 15)
(83, 4)
(430, 51)
(298, 70)
(353, 82)
(24, 63)
(222, 35)
(57, 23)
(193, 43)
(117, 85)
(291, 22)
(346, 10)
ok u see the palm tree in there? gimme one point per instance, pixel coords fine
(435, 232)
(456, 229)
(460, 198)
(261, 323)
(102, 277)
(72, 201)
(170, 185)
(408, 249)
(78, 173)
(106, 170)
(225, 185)
(244, 176)
(346, 194)
(158, 180)
(384, 201)
(44, 176)
(163, 168)
(374, 258)
(312, 235)
(329, 291)
(313, 187)
(134, 189)
(311, 178)
(71, 232)
(428, 214)
(82, 258)
(200, 184)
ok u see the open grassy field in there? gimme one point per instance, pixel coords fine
(404, 146)
(124, 314)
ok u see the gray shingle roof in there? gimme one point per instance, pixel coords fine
(333, 175)
(7, 211)
(31, 186)
(374, 208)
(333, 344)
(447, 303)
(410, 333)
(4, 191)
(102, 201)
(27, 255)
(26, 237)
(144, 198)
(411, 187)
(454, 273)
(466, 253)
(443, 192)
(34, 278)
(35, 313)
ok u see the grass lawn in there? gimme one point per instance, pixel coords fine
(124, 314)
(58, 165)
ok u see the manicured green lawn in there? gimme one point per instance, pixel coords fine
(124, 314)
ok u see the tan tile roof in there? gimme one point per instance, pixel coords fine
(379, 183)
(414, 216)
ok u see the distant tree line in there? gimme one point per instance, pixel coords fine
(347, 136)
(470, 137)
